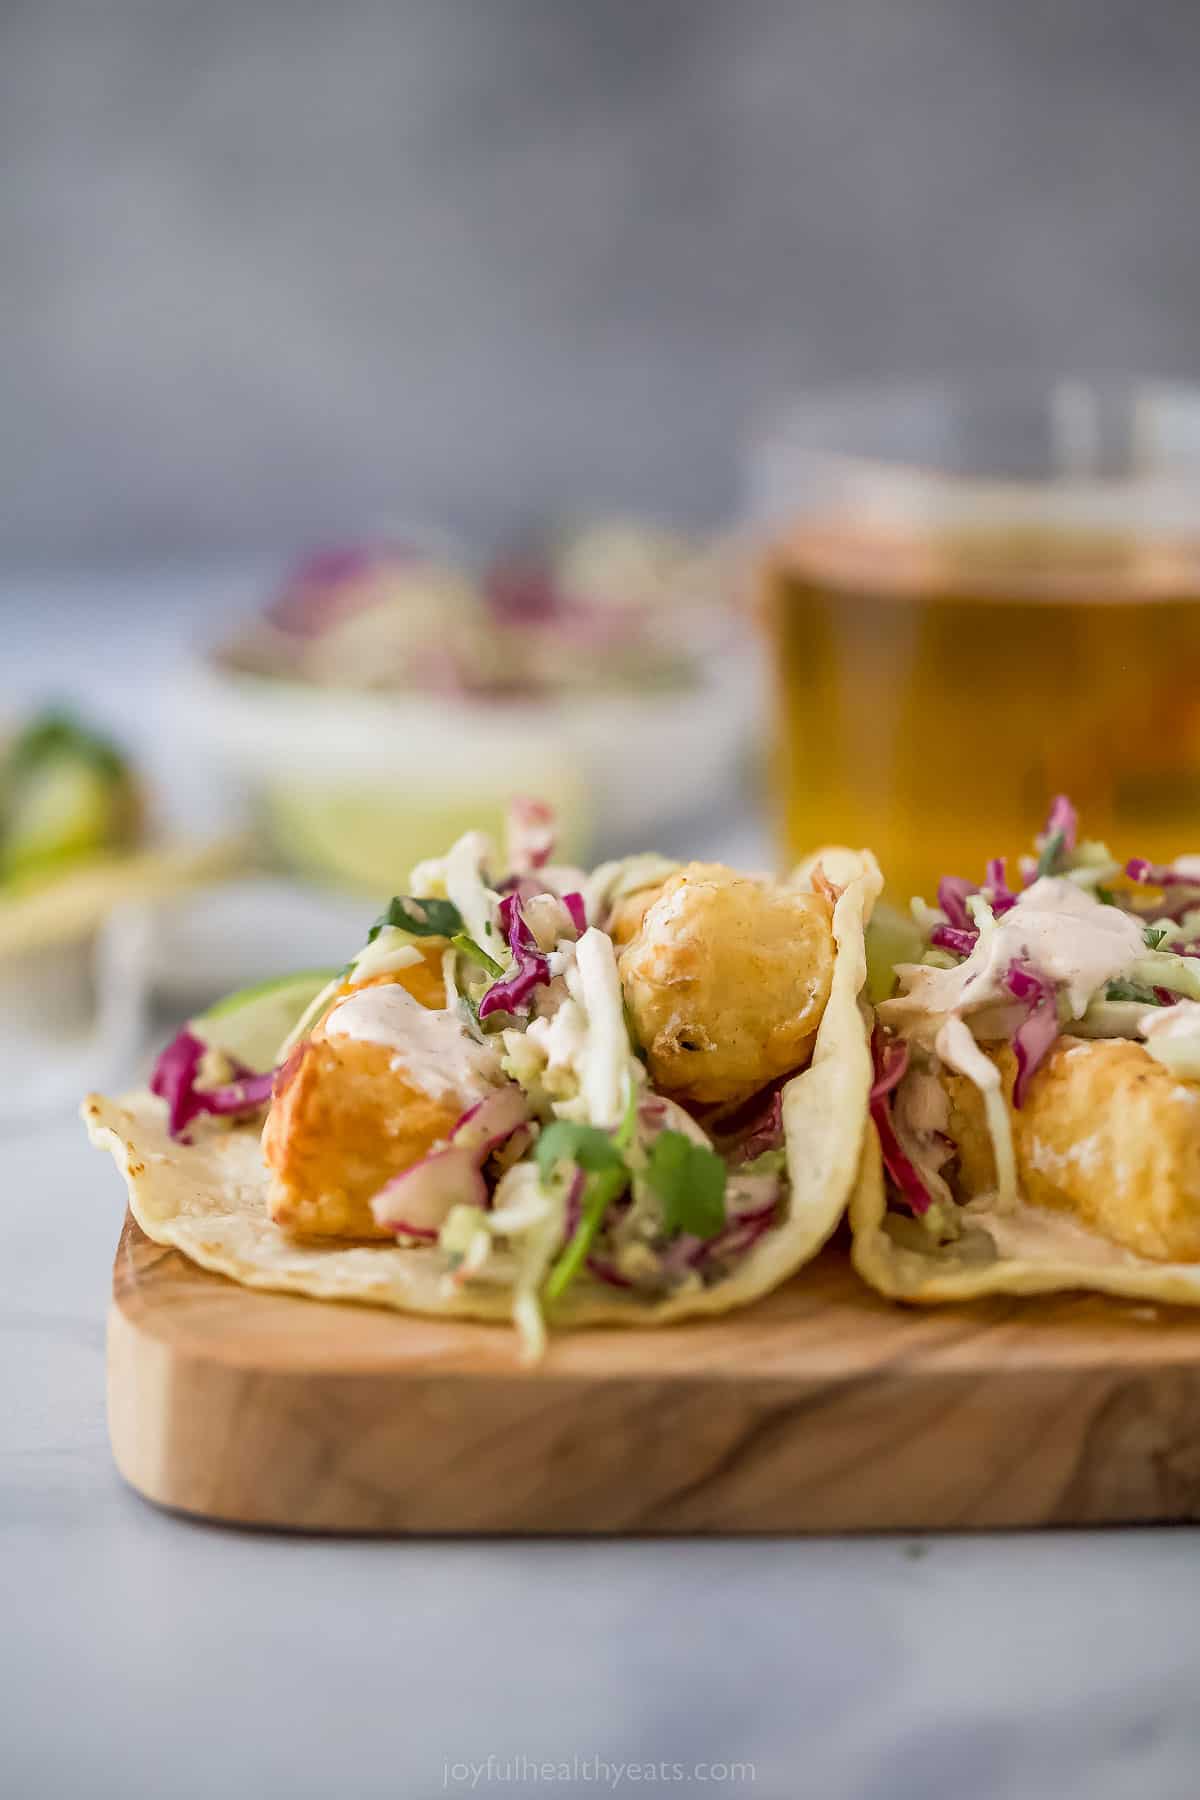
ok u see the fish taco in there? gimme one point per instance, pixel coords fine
(1036, 1098)
(628, 1097)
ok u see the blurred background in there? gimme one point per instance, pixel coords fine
(271, 268)
(441, 288)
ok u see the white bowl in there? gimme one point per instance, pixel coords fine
(358, 786)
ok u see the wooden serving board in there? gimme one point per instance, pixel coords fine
(822, 1408)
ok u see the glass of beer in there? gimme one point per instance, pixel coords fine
(977, 598)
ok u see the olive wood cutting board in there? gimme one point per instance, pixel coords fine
(821, 1408)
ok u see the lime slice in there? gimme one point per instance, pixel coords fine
(368, 836)
(892, 937)
(251, 1025)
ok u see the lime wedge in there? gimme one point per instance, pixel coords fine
(251, 1025)
(892, 937)
(368, 836)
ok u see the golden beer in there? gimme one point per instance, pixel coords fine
(935, 687)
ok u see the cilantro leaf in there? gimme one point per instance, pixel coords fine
(1105, 895)
(689, 1179)
(1131, 990)
(421, 918)
(585, 1145)
(1154, 935)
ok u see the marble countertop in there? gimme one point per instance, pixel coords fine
(142, 1653)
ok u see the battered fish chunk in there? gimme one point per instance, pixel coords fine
(625, 920)
(726, 980)
(1106, 1134)
(343, 1121)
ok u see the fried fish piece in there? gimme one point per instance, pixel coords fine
(726, 979)
(1106, 1134)
(625, 920)
(345, 1118)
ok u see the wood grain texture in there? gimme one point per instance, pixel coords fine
(822, 1408)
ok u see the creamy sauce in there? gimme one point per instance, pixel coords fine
(1178, 1021)
(1055, 928)
(1033, 1234)
(430, 1048)
(1069, 938)
(1172, 1035)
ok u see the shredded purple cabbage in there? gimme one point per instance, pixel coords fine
(604, 1269)
(1160, 875)
(1035, 1035)
(952, 898)
(1063, 822)
(960, 935)
(890, 1057)
(514, 993)
(574, 1204)
(764, 1133)
(996, 885)
(689, 1252)
(174, 1080)
(525, 887)
(747, 1128)
(574, 905)
(954, 939)
(736, 1239)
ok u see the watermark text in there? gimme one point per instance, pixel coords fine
(597, 1771)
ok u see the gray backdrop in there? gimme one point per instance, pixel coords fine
(268, 267)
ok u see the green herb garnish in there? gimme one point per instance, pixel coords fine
(689, 1179)
(420, 918)
(590, 1148)
(627, 1129)
(598, 1196)
(1166, 969)
(1154, 935)
(470, 948)
(1050, 854)
(594, 1152)
(1131, 990)
(1104, 895)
